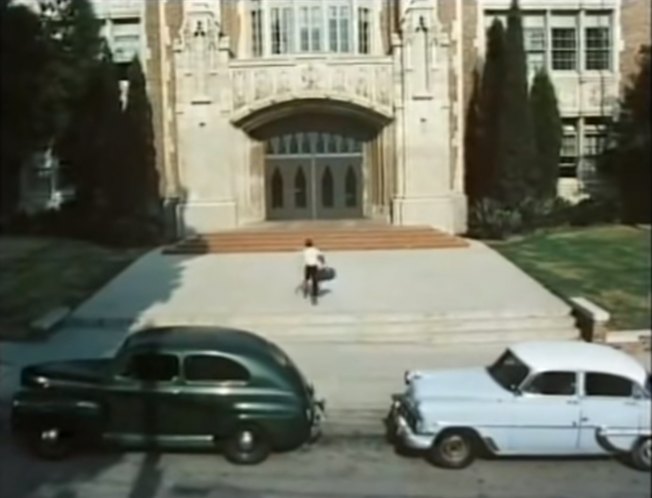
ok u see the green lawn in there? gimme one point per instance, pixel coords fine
(609, 265)
(39, 274)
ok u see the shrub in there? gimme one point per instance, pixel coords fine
(544, 213)
(594, 211)
(489, 219)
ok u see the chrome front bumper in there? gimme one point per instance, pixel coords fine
(319, 415)
(404, 434)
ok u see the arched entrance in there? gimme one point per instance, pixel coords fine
(313, 174)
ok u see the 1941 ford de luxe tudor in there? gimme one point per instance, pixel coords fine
(538, 398)
(177, 387)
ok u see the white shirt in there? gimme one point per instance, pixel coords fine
(311, 256)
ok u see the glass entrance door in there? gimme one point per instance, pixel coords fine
(313, 175)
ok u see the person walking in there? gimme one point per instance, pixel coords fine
(313, 259)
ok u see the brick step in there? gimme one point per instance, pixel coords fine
(388, 238)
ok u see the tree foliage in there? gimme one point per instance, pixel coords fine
(140, 179)
(627, 161)
(92, 140)
(22, 78)
(515, 145)
(482, 130)
(548, 136)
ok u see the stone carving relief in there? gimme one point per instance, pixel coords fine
(263, 85)
(309, 77)
(367, 82)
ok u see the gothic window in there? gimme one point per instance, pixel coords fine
(364, 31)
(294, 143)
(351, 188)
(305, 143)
(277, 189)
(281, 30)
(339, 28)
(332, 143)
(300, 189)
(327, 190)
(257, 31)
(320, 145)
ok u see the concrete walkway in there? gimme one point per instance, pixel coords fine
(445, 282)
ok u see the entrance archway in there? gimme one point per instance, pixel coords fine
(314, 175)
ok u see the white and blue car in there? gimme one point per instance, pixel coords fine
(538, 398)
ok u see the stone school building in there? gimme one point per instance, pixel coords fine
(344, 109)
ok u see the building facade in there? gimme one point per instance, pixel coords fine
(333, 109)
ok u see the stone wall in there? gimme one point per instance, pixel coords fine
(635, 29)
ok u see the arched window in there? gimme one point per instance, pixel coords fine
(294, 143)
(351, 188)
(277, 189)
(300, 189)
(327, 190)
(305, 143)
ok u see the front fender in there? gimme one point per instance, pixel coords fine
(32, 411)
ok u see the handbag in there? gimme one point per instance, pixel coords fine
(325, 273)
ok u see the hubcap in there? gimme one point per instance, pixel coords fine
(246, 440)
(455, 449)
(50, 436)
(646, 452)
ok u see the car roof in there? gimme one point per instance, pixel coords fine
(579, 356)
(194, 338)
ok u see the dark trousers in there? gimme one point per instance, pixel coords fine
(310, 277)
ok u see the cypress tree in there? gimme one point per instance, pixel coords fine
(516, 145)
(141, 180)
(22, 79)
(548, 136)
(92, 139)
(483, 117)
(627, 162)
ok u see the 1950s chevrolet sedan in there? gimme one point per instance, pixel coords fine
(538, 398)
(177, 387)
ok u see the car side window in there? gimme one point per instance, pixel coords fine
(553, 384)
(599, 384)
(207, 368)
(152, 367)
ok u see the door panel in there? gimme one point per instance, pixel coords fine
(313, 175)
(545, 425)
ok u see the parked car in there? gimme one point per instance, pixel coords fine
(538, 398)
(177, 387)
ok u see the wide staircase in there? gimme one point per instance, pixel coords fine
(328, 236)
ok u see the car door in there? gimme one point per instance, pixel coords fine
(215, 388)
(610, 402)
(545, 415)
(142, 401)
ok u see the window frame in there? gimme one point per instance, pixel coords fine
(208, 354)
(125, 361)
(535, 375)
(634, 388)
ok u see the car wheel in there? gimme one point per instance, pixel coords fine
(453, 450)
(248, 445)
(642, 454)
(51, 443)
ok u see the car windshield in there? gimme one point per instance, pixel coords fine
(509, 371)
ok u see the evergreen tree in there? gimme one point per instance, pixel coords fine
(74, 44)
(627, 162)
(483, 119)
(141, 180)
(548, 135)
(516, 146)
(93, 137)
(23, 58)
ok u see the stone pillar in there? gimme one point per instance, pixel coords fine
(424, 194)
(205, 135)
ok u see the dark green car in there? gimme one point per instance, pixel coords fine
(167, 388)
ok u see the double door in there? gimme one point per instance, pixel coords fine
(314, 188)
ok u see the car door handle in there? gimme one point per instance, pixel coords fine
(572, 402)
(584, 419)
